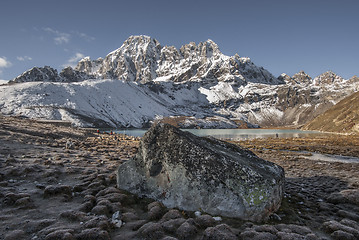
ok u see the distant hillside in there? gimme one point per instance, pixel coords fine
(342, 117)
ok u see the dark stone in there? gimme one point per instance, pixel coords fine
(55, 190)
(93, 234)
(220, 232)
(191, 173)
(15, 235)
(60, 235)
(151, 231)
(37, 225)
(100, 222)
(187, 230)
(74, 215)
(341, 235)
(172, 225)
(290, 236)
(172, 214)
(129, 217)
(205, 221)
(100, 210)
(86, 207)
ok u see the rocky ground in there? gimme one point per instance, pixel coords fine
(58, 182)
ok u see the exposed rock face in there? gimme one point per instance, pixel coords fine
(143, 59)
(38, 74)
(182, 170)
(48, 74)
(327, 78)
(70, 75)
(301, 77)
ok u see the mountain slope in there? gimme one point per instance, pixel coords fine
(342, 117)
(196, 80)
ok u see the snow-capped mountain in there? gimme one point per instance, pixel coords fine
(143, 59)
(142, 81)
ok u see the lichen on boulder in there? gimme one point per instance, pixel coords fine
(194, 173)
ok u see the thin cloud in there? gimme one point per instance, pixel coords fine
(4, 63)
(84, 36)
(72, 62)
(24, 58)
(59, 37)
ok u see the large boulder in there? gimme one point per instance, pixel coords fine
(193, 173)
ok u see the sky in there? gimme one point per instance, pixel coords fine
(280, 35)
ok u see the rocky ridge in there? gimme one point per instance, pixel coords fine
(48, 74)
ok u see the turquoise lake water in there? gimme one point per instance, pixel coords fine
(234, 134)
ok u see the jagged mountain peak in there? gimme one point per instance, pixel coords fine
(206, 49)
(327, 77)
(354, 79)
(286, 78)
(302, 77)
(35, 74)
(137, 43)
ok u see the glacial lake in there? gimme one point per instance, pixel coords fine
(235, 134)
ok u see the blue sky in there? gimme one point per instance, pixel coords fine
(282, 36)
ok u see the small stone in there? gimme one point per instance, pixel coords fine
(311, 236)
(90, 198)
(155, 213)
(104, 202)
(135, 225)
(350, 215)
(336, 198)
(129, 217)
(86, 207)
(351, 195)
(172, 214)
(151, 231)
(219, 232)
(73, 215)
(290, 236)
(24, 202)
(332, 226)
(350, 223)
(266, 228)
(93, 234)
(187, 230)
(341, 235)
(100, 210)
(15, 235)
(205, 221)
(100, 222)
(172, 225)
(197, 213)
(55, 190)
(37, 225)
(60, 234)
